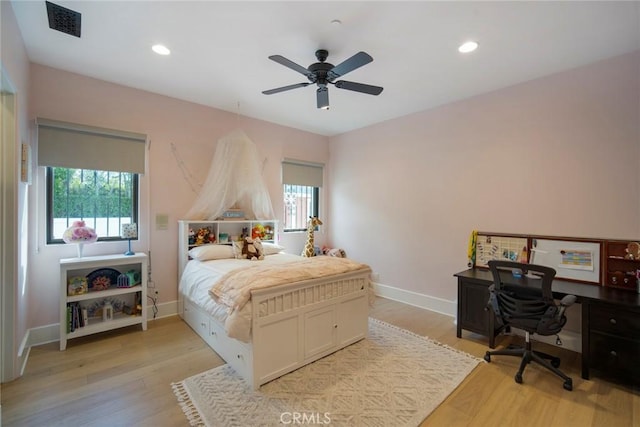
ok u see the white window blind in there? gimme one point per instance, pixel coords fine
(301, 173)
(75, 146)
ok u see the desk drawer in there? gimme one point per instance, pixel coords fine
(616, 356)
(615, 321)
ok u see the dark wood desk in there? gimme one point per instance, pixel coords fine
(610, 321)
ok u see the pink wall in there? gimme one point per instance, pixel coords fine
(193, 129)
(554, 156)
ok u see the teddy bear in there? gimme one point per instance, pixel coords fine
(632, 251)
(203, 233)
(252, 249)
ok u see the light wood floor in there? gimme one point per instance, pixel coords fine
(122, 378)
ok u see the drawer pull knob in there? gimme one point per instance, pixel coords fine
(613, 353)
(612, 321)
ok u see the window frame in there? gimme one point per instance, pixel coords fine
(49, 179)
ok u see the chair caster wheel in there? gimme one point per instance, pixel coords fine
(518, 378)
(568, 384)
(487, 357)
(555, 362)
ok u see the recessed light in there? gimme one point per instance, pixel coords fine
(336, 22)
(160, 49)
(468, 47)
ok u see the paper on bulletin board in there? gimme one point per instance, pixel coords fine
(501, 248)
(576, 259)
(571, 259)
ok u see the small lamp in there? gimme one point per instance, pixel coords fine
(129, 231)
(79, 233)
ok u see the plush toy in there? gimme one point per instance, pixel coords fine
(257, 232)
(268, 232)
(202, 234)
(338, 253)
(252, 249)
(632, 251)
(334, 252)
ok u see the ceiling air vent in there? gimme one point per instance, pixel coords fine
(63, 19)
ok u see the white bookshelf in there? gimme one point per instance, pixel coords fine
(81, 267)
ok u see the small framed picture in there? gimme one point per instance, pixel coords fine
(25, 163)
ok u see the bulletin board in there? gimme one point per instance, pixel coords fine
(490, 247)
(575, 260)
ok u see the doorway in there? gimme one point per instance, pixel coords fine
(8, 224)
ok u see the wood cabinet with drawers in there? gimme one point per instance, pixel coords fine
(611, 343)
(610, 322)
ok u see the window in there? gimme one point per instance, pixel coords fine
(91, 175)
(104, 200)
(300, 202)
(301, 189)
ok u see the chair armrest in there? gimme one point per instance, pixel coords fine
(565, 302)
(568, 300)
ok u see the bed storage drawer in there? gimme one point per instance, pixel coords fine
(320, 331)
(352, 319)
(278, 340)
(195, 318)
(236, 353)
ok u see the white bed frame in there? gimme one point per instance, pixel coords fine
(292, 325)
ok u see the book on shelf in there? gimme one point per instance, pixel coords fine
(77, 317)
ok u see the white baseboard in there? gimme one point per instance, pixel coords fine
(570, 340)
(44, 335)
(165, 309)
(51, 333)
(427, 302)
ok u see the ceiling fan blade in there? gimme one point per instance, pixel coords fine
(356, 61)
(283, 88)
(359, 87)
(323, 97)
(290, 64)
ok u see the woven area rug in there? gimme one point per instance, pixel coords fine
(392, 378)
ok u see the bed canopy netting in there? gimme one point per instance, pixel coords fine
(234, 181)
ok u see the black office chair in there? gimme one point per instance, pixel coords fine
(521, 297)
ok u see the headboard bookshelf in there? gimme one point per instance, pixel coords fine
(219, 232)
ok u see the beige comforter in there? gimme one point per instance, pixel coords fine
(234, 288)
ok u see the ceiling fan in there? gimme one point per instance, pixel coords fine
(323, 73)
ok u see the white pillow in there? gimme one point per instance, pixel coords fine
(207, 252)
(271, 248)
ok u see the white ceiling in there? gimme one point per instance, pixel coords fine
(219, 50)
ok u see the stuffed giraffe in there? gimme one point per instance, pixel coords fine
(309, 250)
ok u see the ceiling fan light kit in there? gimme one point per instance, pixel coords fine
(468, 47)
(323, 73)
